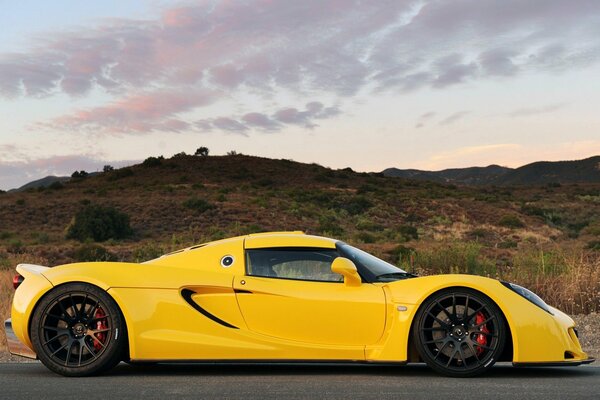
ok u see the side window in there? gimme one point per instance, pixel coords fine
(301, 264)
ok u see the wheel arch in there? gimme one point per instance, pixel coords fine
(411, 350)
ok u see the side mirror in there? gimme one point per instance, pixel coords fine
(347, 269)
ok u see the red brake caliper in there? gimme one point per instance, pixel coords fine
(481, 338)
(100, 325)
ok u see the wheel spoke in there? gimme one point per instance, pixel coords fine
(466, 308)
(60, 348)
(58, 317)
(484, 322)
(93, 310)
(71, 343)
(474, 313)
(80, 313)
(483, 346)
(454, 308)
(64, 311)
(55, 337)
(470, 344)
(440, 350)
(80, 352)
(89, 349)
(96, 339)
(444, 310)
(451, 357)
(439, 321)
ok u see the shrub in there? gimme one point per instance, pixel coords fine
(330, 226)
(120, 174)
(56, 185)
(148, 252)
(356, 205)
(99, 223)
(15, 246)
(408, 232)
(511, 221)
(366, 237)
(153, 161)
(92, 252)
(202, 151)
(593, 245)
(79, 174)
(198, 205)
(20, 202)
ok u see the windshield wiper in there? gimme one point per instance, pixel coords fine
(399, 275)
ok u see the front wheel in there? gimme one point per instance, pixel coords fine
(77, 330)
(459, 332)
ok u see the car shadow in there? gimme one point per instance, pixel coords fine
(500, 371)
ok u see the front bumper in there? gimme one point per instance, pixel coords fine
(14, 345)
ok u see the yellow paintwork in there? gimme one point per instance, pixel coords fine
(281, 319)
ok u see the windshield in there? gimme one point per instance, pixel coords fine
(376, 270)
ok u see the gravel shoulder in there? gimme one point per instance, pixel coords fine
(587, 325)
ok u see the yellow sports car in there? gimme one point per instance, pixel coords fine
(279, 297)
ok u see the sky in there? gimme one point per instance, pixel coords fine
(428, 84)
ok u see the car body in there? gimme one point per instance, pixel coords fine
(280, 296)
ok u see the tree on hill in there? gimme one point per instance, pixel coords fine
(108, 168)
(79, 174)
(202, 151)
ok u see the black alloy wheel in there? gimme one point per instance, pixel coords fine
(77, 330)
(459, 332)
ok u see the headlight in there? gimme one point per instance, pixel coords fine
(529, 295)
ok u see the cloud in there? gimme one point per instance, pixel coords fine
(452, 118)
(14, 174)
(529, 111)
(278, 120)
(424, 118)
(141, 113)
(304, 48)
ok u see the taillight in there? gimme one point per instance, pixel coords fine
(17, 280)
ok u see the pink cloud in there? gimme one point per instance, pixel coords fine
(136, 114)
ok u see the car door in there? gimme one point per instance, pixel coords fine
(291, 293)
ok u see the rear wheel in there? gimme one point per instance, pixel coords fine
(77, 330)
(459, 332)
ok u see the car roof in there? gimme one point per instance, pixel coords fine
(287, 239)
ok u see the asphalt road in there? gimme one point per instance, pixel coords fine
(34, 381)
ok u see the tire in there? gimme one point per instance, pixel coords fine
(77, 330)
(459, 332)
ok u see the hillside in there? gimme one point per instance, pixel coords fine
(537, 173)
(427, 227)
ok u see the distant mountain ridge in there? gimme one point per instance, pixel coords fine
(43, 182)
(537, 173)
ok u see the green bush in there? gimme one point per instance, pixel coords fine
(511, 221)
(356, 205)
(92, 252)
(153, 161)
(198, 205)
(99, 223)
(409, 232)
(56, 185)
